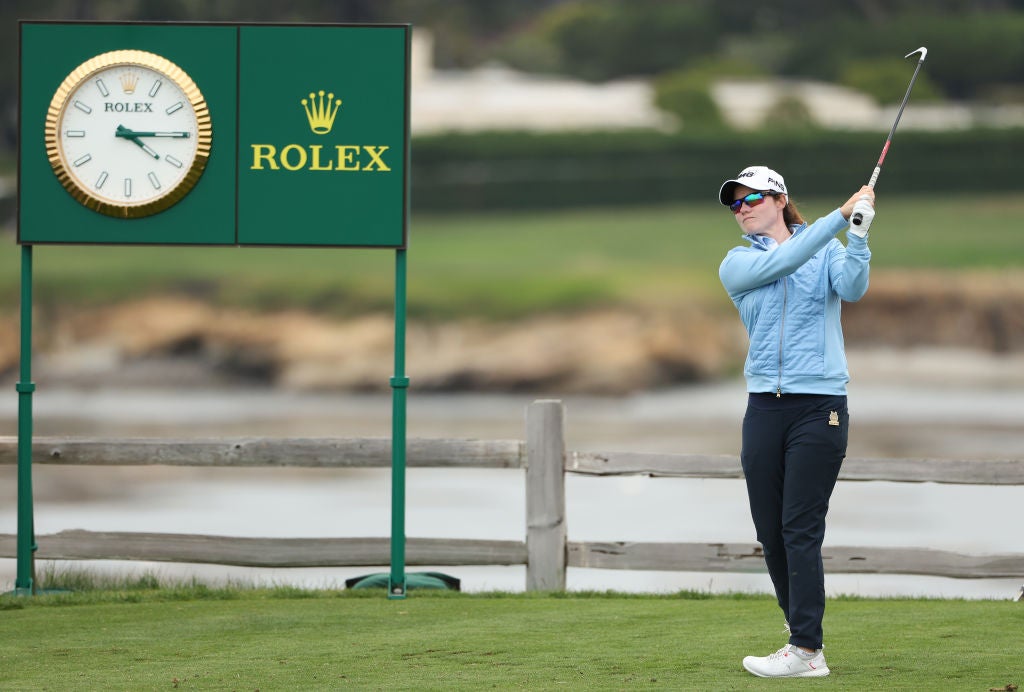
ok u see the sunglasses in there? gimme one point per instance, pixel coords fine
(752, 200)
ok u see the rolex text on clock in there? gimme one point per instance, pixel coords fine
(128, 133)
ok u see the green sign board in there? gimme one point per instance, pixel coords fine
(214, 134)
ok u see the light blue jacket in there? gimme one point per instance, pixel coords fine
(789, 300)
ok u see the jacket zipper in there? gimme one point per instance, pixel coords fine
(782, 330)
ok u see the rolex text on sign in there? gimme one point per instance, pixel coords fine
(296, 157)
(320, 113)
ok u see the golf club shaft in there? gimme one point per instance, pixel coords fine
(856, 220)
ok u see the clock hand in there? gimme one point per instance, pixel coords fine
(132, 136)
(145, 147)
(180, 135)
(123, 131)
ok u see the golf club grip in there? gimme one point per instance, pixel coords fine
(857, 218)
(874, 177)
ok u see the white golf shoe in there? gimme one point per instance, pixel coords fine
(787, 662)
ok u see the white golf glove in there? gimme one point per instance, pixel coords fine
(866, 213)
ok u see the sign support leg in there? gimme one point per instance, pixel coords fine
(23, 584)
(399, 385)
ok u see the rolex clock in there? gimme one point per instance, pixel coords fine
(128, 133)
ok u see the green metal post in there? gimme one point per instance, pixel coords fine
(23, 584)
(399, 386)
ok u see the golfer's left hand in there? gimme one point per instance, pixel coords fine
(864, 212)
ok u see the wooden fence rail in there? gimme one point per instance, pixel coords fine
(546, 552)
(493, 454)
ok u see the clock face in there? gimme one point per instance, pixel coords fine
(128, 133)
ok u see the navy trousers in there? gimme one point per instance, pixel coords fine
(793, 447)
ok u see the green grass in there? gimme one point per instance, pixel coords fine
(511, 265)
(193, 637)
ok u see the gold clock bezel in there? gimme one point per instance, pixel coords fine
(55, 113)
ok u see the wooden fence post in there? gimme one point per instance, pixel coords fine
(545, 496)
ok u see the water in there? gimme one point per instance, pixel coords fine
(972, 416)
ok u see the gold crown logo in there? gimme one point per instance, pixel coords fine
(320, 113)
(129, 80)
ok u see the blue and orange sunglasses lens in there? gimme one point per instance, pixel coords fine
(752, 200)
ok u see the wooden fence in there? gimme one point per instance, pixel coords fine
(546, 552)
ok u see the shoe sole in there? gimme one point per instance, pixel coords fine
(816, 673)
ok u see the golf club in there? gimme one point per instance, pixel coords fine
(878, 166)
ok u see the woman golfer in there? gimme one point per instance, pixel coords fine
(787, 284)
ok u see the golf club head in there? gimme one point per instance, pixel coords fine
(922, 50)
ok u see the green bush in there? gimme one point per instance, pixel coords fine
(686, 93)
(544, 171)
(790, 113)
(688, 98)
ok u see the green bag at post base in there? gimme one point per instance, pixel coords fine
(413, 580)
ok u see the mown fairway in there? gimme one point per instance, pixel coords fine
(287, 640)
(511, 265)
